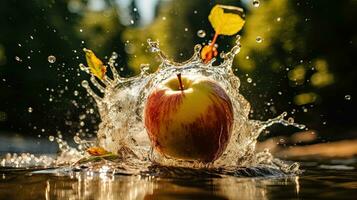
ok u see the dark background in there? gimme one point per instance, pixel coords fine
(308, 49)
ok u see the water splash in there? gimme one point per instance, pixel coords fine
(121, 110)
(120, 102)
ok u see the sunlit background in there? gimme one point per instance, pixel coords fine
(297, 56)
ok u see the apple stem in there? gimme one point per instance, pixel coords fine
(180, 81)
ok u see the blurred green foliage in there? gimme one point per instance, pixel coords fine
(304, 63)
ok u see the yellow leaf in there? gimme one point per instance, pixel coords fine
(226, 23)
(96, 66)
(208, 52)
(97, 151)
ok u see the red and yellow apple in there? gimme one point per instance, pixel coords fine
(189, 118)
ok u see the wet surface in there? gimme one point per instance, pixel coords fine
(333, 179)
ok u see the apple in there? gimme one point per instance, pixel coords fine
(189, 118)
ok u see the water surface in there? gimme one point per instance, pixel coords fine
(333, 179)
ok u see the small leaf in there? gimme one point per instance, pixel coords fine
(97, 151)
(226, 23)
(96, 66)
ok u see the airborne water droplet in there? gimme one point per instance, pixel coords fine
(85, 83)
(77, 139)
(51, 59)
(348, 97)
(249, 80)
(259, 39)
(51, 138)
(30, 110)
(291, 120)
(201, 33)
(114, 55)
(256, 3)
(18, 59)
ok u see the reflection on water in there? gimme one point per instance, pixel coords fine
(102, 186)
(315, 183)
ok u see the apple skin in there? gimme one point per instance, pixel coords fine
(190, 124)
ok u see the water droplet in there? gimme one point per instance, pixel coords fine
(85, 84)
(247, 57)
(114, 55)
(77, 139)
(51, 138)
(278, 19)
(256, 3)
(31, 37)
(30, 110)
(201, 33)
(186, 29)
(259, 39)
(197, 48)
(75, 93)
(81, 30)
(348, 97)
(238, 37)
(135, 9)
(84, 68)
(291, 120)
(163, 18)
(249, 80)
(131, 21)
(51, 59)
(18, 59)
